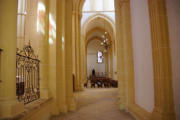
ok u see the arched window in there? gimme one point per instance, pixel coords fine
(99, 57)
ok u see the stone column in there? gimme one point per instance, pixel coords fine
(44, 56)
(68, 56)
(60, 57)
(9, 105)
(77, 53)
(74, 48)
(80, 52)
(81, 62)
(125, 67)
(164, 103)
(84, 59)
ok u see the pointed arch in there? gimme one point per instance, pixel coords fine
(99, 16)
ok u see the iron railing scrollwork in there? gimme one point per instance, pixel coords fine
(27, 75)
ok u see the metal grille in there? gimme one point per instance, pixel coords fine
(27, 75)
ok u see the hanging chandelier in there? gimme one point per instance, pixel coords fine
(105, 42)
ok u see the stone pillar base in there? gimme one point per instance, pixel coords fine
(71, 104)
(63, 108)
(10, 108)
(81, 87)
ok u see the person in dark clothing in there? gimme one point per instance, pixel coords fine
(93, 72)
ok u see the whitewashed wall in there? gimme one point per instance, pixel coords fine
(92, 64)
(92, 50)
(173, 10)
(143, 66)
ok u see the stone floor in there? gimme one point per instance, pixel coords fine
(96, 104)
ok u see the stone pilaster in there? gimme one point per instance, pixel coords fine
(44, 56)
(60, 57)
(68, 56)
(125, 67)
(164, 105)
(77, 52)
(80, 62)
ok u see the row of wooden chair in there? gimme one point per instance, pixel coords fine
(103, 82)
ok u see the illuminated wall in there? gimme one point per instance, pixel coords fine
(92, 49)
(52, 29)
(41, 15)
(31, 23)
(142, 53)
(92, 7)
(21, 17)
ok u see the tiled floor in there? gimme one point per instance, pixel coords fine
(96, 104)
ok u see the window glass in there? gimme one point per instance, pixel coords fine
(100, 57)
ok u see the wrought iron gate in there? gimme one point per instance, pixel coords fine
(27, 75)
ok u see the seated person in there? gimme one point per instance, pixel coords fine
(85, 84)
(99, 84)
(93, 84)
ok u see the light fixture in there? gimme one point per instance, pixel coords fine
(105, 42)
